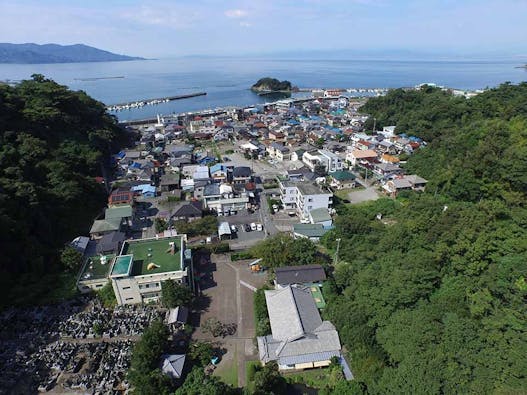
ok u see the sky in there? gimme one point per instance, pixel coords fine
(170, 28)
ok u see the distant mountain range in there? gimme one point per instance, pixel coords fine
(54, 53)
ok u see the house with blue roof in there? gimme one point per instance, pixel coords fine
(146, 190)
(218, 172)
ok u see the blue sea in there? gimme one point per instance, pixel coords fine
(227, 80)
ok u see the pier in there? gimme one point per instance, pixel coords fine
(149, 102)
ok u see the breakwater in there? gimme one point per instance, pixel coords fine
(150, 102)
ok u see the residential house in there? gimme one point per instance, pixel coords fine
(102, 226)
(297, 154)
(312, 232)
(145, 190)
(169, 182)
(218, 172)
(188, 212)
(410, 182)
(328, 160)
(387, 170)
(360, 157)
(121, 196)
(222, 198)
(201, 173)
(342, 179)
(387, 158)
(241, 175)
(320, 216)
(279, 151)
(110, 243)
(364, 145)
(304, 275)
(299, 338)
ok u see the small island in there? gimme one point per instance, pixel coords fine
(270, 85)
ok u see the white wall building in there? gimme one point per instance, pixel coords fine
(303, 197)
(142, 265)
(329, 160)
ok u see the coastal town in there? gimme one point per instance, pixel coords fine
(245, 175)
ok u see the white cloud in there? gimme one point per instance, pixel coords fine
(245, 24)
(236, 14)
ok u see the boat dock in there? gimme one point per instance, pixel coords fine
(150, 102)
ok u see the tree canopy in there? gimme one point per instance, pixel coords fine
(53, 143)
(174, 294)
(284, 250)
(433, 299)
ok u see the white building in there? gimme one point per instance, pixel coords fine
(142, 265)
(329, 160)
(302, 197)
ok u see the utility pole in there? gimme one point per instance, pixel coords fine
(335, 260)
(374, 124)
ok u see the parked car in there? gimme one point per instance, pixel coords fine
(234, 229)
(304, 221)
(253, 226)
(259, 227)
(247, 227)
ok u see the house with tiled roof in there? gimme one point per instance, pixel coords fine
(299, 338)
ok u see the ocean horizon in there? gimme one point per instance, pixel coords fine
(227, 80)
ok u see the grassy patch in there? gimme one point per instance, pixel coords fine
(227, 371)
(251, 367)
(319, 378)
(238, 256)
(343, 194)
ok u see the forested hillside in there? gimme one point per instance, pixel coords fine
(53, 143)
(432, 298)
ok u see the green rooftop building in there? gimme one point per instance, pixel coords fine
(143, 264)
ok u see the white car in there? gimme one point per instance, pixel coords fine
(275, 207)
(304, 221)
(253, 226)
(234, 229)
(259, 227)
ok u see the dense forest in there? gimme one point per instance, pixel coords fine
(432, 297)
(53, 143)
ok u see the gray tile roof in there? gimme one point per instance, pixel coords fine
(299, 274)
(172, 365)
(292, 312)
(298, 333)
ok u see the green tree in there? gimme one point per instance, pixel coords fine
(107, 296)
(174, 294)
(71, 259)
(292, 251)
(198, 383)
(53, 143)
(160, 224)
(201, 353)
(269, 381)
(144, 374)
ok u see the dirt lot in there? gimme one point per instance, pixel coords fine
(364, 195)
(228, 289)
